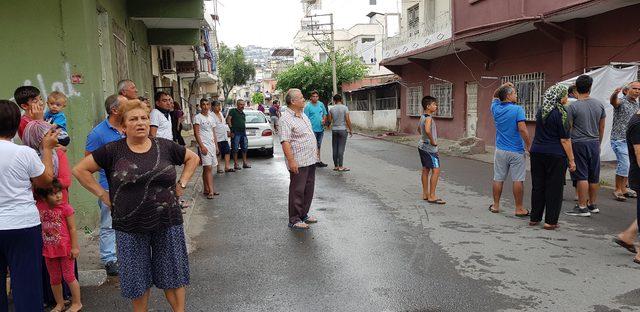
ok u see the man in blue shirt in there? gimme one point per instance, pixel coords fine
(317, 113)
(512, 138)
(106, 132)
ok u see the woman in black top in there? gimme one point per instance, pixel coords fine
(549, 152)
(144, 205)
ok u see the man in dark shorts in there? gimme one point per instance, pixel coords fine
(237, 123)
(586, 115)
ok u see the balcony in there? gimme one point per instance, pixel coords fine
(418, 36)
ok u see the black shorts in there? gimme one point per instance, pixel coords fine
(587, 158)
(224, 148)
(429, 160)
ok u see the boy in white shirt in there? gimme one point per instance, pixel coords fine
(204, 131)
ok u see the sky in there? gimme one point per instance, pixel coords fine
(274, 23)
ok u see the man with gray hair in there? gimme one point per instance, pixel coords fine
(512, 140)
(106, 132)
(301, 152)
(623, 109)
(128, 88)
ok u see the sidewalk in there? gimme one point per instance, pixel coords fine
(91, 271)
(607, 170)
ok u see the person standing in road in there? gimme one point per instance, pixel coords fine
(237, 123)
(428, 150)
(340, 123)
(633, 145)
(106, 132)
(551, 151)
(222, 137)
(160, 118)
(317, 114)
(177, 116)
(204, 132)
(144, 204)
(512, 140)
(586, 115)
(127, 88)
(623, 109)
(301, 152)
(274, 114)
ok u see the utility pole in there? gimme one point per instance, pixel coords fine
(333, 58)
(316, 28)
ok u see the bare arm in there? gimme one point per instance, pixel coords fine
(191, 161)
(83, 172)
(427, 130)
(614, 98)
(636, 149)
(196, 133)
(153, 130)
(48, 143)
(601, 129)
(524, 133)
(568, 149)
(288, 154)
(73, 233)
(348, 120)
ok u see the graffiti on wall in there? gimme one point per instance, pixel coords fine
(65, 86)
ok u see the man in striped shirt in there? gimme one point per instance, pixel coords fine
(301, 153)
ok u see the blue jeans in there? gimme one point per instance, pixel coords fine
(107, 235)
(240, 141)
(622, 155)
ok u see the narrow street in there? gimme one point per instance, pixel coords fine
(379, 247)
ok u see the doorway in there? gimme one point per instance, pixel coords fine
(472, 109)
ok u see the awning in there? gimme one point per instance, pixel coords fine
(377, 86)
(169, 22)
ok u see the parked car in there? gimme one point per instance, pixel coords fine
(259, 133)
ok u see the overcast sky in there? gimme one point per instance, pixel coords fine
(274, 23)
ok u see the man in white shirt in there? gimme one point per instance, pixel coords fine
(160, 119)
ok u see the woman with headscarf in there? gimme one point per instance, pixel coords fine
(550, 153)
(32, 136)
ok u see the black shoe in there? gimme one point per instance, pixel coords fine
(593, 208)
(112, 268)
(579, 212)
(321, 164)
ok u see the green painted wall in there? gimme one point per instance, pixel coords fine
(47, 41)
(166, 8)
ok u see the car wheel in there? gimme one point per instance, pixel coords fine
(269, 152)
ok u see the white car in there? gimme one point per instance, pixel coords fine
(259, 133)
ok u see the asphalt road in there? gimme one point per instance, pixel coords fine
(379, 247)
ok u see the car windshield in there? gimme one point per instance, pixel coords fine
(253, 117)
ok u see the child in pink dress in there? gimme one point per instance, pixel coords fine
(60, 244)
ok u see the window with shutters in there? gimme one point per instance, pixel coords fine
(414, 96)
(120, 42)
(443, 92)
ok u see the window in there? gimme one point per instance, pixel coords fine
(122, 65)
(530, 88)
(413, 20)
(444, 93)
(372, 2)
(414, 96)
(368, 39)
(430, 17)
(322, 57)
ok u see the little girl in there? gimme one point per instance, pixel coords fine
(60, 244)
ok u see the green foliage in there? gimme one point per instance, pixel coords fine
(257, 98)
(233, 68)
(310, 75)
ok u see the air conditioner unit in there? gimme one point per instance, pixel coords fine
(167, 60)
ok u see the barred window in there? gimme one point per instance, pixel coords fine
(414, 96)
(530, 88)
(443, 92)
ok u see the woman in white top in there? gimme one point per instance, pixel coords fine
(20, 230)
(222, 137)
(203, 130)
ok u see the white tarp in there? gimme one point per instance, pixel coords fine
(605, 80)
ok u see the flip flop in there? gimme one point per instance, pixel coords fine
(636, 260)
(220, 171)
(619, 197)
(631, 194)
(522, 215)
(230, 170)
(299, 226)
(630, 247)
(209, 196)
(345, 169)
(491, 209)
(438, 201)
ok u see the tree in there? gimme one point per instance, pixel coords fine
(233, 68)
(310, 75)
(257, 98)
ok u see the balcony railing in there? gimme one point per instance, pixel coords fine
(422, 35)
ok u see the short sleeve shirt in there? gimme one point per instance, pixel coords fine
(315, 112)
(17, 206)
(506, 117)
(339, 117)
(621, 116)
(163, 123)
(633, 138)
(549, 133)
(238, 120)
(142, 185)
(102, 134)
(584, 116)
(207, 125)
(298, 132)
(55, 232)
(221, 128)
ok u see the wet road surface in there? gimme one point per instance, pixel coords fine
(379, 247)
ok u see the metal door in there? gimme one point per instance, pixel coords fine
(472, 109)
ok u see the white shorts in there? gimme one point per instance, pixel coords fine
(210, 159)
